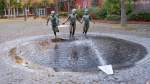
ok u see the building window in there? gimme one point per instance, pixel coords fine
(41, 11)
(95, 2)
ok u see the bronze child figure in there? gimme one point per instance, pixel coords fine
(72, 19)
(86, 20)
(54, 22)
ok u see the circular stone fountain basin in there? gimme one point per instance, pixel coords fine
(80, 54)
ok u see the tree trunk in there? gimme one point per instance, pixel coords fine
(25, 14)
(17, 11)
(35, 14)
(5, 12)
(11, 12)
(8, 13)
(123, 13)
(14, 12)
(69, 6)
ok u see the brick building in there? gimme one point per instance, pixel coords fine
(88, 3)
(142, 6)
(39, 7)
(80, 4)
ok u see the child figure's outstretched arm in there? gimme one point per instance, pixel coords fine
(48, 20)
(66, 20)
(82, 20)
(79, 19)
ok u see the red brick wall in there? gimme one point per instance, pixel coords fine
(101, 2)
(89, 3)
(79, 3)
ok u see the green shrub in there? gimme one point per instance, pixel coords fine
(95, 12)
(113, 6)
(112, 10)
(139, 16)
(2, 6)
(80, 13)
(1, 12)
(130, 6)
(103, 13)
(63, 14)
(113, 17)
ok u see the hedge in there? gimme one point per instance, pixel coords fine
(143, 16)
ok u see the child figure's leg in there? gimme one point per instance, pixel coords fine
(70, 30)
(86, 28)
(54, 31)
(74, 28)
(55, 34)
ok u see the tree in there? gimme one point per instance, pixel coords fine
(2, 7)
(120, 8)
(26, 4)
(123, 13)
(112, 7)
(13, 6)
